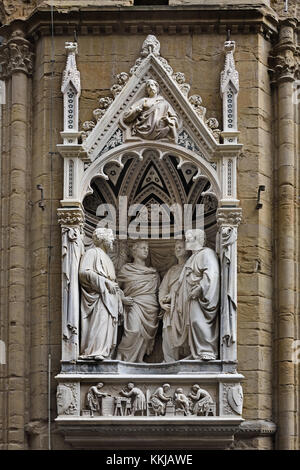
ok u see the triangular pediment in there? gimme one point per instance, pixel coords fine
(194, 130)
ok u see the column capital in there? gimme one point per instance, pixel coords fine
(284, 60)
(70, 217)
(16, 55)
(229, 216)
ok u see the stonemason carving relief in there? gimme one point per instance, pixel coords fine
(152, 117)
(157, 401)
(138, 399)
(94, 398)
(201, 401)
(181, 402)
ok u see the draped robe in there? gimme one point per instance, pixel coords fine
(99, 308)
(173, 321)
(141, 319)
(157, 122)
(200, 325)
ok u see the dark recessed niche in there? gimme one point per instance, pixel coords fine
(139, 3)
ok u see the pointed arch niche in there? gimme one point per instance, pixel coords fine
(189, 161)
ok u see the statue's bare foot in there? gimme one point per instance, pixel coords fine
(99, 358)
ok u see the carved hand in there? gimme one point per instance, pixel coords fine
(146, 105)
(195, 293)
(111, 287)
(127, 301)
(167, 308)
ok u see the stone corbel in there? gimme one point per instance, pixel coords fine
(228, 220)
(71, 221)
(229, 88)
(16, 55)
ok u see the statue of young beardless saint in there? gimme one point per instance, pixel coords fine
(141, 284)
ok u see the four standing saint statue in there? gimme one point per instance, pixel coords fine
(141, 283)
(173, 322)
(197, 299)
(101, 299)
(188, 295)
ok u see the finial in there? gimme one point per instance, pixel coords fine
(228, 34)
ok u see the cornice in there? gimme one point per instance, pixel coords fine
(241, 19)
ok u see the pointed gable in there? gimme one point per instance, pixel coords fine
(109, 131)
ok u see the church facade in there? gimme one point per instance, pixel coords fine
(150, 224)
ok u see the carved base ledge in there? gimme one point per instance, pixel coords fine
(149, 433)
(119, 367)
(256, 428)
(73, 150)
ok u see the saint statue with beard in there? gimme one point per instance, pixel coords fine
(152, 118)
(101, 299)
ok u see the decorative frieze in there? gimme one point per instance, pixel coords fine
(16, 55)
(161, 400)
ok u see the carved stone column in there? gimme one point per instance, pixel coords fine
(16, 60)
(285, 65)
(71, 221)
(228, 220)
